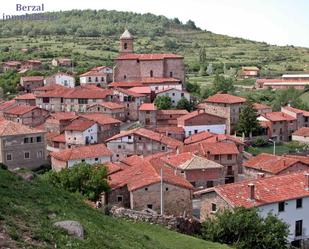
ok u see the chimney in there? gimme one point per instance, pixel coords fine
(307, 181)
(251, 189)
(260, 175)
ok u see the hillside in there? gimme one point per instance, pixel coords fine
(25, 209)
(91, 38)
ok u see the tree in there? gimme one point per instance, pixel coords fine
(289, 96)
(190, 24)
(248, 122)
(183, 103)
(202, 56)
(243, 228)
(89, 180)
(222, 84)
(163, 102)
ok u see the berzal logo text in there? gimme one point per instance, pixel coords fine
(30, 12)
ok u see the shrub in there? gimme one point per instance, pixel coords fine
(259, 142)
(3, 166)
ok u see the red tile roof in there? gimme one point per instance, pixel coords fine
(148, 56)
(129, 93)
(177, 159)
(196, 114)
(112, 167)
(9, 128)
(150, 135)
(303, 159)
(304, 132)
(157, 80)
(170, 129)
(270, 163)
(212, 148)
(198, 137)
(169, 89)
(59, 138)
(141, 89)
(225, 98)
(144, 174)
(278, 116)
(101, 119)
(12, 63)
(126, 84)
(131, 160)
(20, 109)
(172, 112)
(63, 115)
(32, 78)
(92, 73)
(79, 125)
(147, 107)
(110, 105)
(89, 151)
(7, 104)
(27, 96)
(259, 106)
(267, 190)
(298, 111)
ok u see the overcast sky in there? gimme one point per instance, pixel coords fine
(278, 22)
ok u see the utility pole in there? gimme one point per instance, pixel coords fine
(161, 174)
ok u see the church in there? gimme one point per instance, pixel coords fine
(158, 71)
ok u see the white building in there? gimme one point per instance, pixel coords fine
(286, 196)
(81, 132)
(91, 154)
(175, 94)
(199, 121)
(62, 79)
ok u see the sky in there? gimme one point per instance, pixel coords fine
(279, 22)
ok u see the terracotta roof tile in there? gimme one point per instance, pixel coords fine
(147, 107)
(278, 116)
(101, 119)
(110, 105)
(89, 151)
(304, 132)
(225, 98)
(141, 89)
(129, 93)
(9, 128)
(172, 112)
(259, 106)
(298, 111)
(212, 148)
(20, 109)
(126, 84)
(7, 104)
(27, 96)
(63, 115)
(170, 129)
(270, 163)
(79, 125)
(198, 113)
(32, 78)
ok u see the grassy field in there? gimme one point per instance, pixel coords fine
(305, 97)
(24, 215)
(280, 149)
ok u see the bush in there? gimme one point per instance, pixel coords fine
(163, 102)
(244, 228)
(259, 142)
(3, 166)
(89, 180)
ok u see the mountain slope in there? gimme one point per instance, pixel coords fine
(91, 38)
(25, 221)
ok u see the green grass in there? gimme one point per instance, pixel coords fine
(305, 97)
(280, 149)
(25, 207)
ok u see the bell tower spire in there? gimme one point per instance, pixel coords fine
(126, 42)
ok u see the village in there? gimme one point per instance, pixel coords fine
(170, 161)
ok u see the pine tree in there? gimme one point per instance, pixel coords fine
(248, 122)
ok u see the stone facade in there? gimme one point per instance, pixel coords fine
(23, 151)
(148, 119)
(118, 113)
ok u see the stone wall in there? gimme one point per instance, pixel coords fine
(180, 224)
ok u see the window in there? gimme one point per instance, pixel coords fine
(39, 154)
(163, 148)
(166, 189)
(96, 159)
(83, 160)
(299, 203)
(125, 45)
(182, 94)
(89, 79)
(82, 101)
(96, 79)
(173, 94)
(129, 137)
(124, 76)
(9, 157)
(26, 140)
(27, 155)
(119, 146)
(213, 207)
(119, 198)
(146, 189)
(151, 73)
(195, 131)
(171, 74)
(149, 206)
(102, 79)
(39, 139)
(229, 157)
(298, 228)
(216, 157)
(210, 184)
(281, 206)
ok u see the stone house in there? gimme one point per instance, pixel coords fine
(139, 187)
(131, 100)
(115, 110)
(172, 131)
(148, 115)
(91, 154)
(27, 115)
(11, 65)
(302, 116)
(60, 99)
(32, 65)
(25, 99)
(6, 105)
(107, 126)
(131, 66)
(62, 79)
(140, 141)
(222, 153)
(169, 117)
(249, 72)
(268, 165)
(55, 142)
(226, 106)
(261, 108)
(278, 125)
(31, 82)
(199, 171)
(175, 94)
(61, 62)
(99, 76)
(285, 196)
(57, 121)
(21, 146)
(198, 121)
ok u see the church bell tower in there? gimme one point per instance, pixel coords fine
(126, 42)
